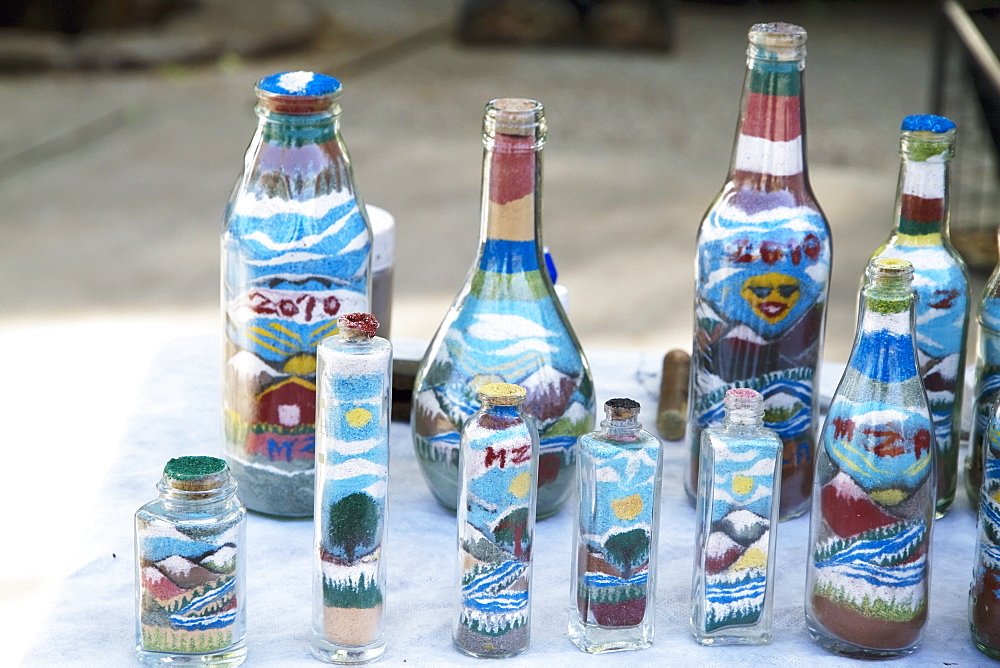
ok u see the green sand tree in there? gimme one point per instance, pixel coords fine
(628, 549)
(354, 525)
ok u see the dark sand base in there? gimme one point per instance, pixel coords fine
(614, 615)
(856, 629)
(985, 614)
(511, 643)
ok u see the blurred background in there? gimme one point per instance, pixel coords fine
(124, 122)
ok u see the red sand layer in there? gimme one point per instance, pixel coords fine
(855, 628)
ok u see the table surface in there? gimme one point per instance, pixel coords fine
(177, 413)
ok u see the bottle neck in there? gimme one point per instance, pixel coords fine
(884, 348)
(624, 431)
(317, 125)
(769, 152)
(511, 187)
(922, 198)
(177, 494)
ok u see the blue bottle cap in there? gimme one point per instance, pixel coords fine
(550, 264)
(299, 83)
(927, 123)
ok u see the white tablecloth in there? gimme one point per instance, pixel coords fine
(177, 413)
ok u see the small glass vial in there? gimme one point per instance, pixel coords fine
(739, 484)
(613, 581)
(190, 568)
(498, 472)
(352, 470)
(984, 596)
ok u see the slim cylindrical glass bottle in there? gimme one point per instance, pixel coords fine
(613, 580)
(506, 324)
(987, 384)
(762, 270)
(296, 253)
(498, 464)
(191, 568)
(352, 473)
(984, 596)
(941, 281)
(739, 484)
(868, 572)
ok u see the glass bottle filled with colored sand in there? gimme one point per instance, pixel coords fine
(941, 281)
(296, 254)
(352, 474)
(613, 586)
(739, 484)
(506, 324)
(987, 387)
(191, 568)
(873, 507)
(762, 268)
(984, 595)
(498, 464)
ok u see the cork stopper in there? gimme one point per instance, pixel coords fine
(298, 92)
(777, 41)
(196, 473)
(357, 326)
(621, 409)
(502, 394)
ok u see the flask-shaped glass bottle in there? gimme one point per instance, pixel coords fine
(496, 525)
(191, 568)
(506, 324)
(613, 578)
(868, 570)
(941, 281)
(739, 484)
(296, 254)
(987, 389)
(762, 270)
(352, 475)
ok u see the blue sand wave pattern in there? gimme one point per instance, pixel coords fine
(991, 513)
(291, 254)
(857, 560)
(729, 593)
(486, 593)
(603, 580)
(160, 547)
(795, 425)
(216, 621)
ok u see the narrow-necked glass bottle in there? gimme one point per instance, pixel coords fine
(873, 505)
(498, 464)
(941, 281)
(190, 563)
(739, 484)
(613, 580)
(762, 268)
(984, 596)
(506, 324)
(987, 383)
(352, 474)
(296, 253)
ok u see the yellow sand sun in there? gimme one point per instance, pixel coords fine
(358, 417)
(520, 485)
(742, 484)
(628, 507)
